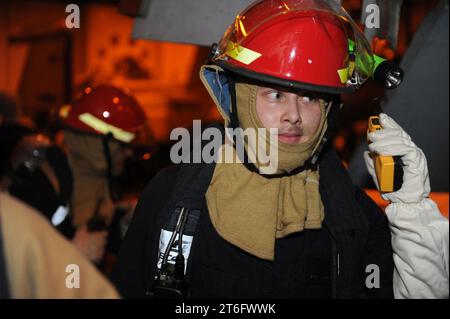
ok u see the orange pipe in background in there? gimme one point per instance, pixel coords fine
(441, 199)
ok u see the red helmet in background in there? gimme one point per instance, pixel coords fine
(296, 43)
(103, 110)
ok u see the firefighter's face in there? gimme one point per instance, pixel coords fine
(296, 115)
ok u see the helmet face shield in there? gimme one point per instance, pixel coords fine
(307, 44)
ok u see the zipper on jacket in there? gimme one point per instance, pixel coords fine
(335, 264)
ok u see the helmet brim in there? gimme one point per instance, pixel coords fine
(288, 84)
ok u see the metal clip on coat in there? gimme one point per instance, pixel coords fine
(170, 282)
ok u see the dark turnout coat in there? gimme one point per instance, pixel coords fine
(350, 257)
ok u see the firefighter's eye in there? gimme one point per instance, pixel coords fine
(274, 95)
(308, 98)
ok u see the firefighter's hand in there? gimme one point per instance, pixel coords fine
(419, 232)
(91, 244)
(392, 140)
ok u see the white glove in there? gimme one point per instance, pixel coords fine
(392, 140)
(420, 234)
(420, 241)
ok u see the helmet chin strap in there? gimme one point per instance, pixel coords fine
(312, 162)
(332, 120)
(113, 191)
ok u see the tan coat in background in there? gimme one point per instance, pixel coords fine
(89, 168)
(37, 257)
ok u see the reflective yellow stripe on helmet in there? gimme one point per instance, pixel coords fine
(241, 54)
(343, 75)
(106, 128)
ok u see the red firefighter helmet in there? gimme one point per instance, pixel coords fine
(296, 43)
(103, 110)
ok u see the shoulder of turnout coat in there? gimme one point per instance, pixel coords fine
(40, 263)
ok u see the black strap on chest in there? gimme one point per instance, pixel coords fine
(179, 221)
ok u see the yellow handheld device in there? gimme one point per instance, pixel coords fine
(388, 169)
